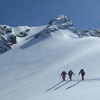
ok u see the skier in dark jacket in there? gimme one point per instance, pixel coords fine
(70, 73)
(82, 73)
(63, 74)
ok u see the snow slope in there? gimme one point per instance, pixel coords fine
(31, 70)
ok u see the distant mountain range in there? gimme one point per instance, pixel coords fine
(60, 24)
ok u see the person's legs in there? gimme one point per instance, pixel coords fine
(70, 77)
(63, 77)
(82, 77)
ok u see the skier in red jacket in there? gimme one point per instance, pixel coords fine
(63, 74)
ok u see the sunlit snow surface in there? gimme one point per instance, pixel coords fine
(31, 70)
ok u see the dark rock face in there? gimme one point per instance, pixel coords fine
(5, 30)
(6, 38)
(12, 39)
(21, 34)
(91, 32)
(4, 46)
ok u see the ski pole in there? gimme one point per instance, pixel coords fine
(78, 77)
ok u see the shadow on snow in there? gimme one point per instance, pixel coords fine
(61, 85)
(93, 79)
(54, 86)
(73, 85)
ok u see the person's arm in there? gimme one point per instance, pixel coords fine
(61, 75)
(73, 74)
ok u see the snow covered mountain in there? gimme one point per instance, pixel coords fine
(9, 36)
(59, 25)
(31, 70)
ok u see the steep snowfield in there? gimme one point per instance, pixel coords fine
(31, 70)
(64, 34)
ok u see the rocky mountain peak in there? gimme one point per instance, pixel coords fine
(61, 21)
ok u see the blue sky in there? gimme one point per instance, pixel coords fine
(84, 13)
